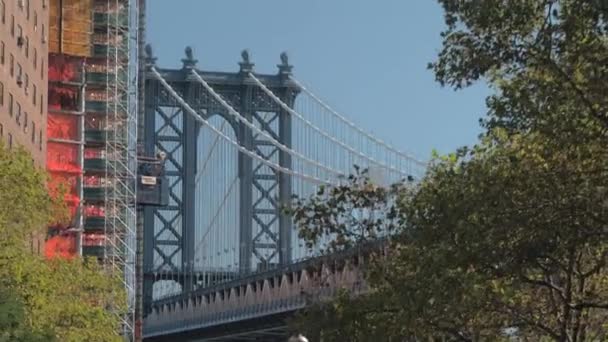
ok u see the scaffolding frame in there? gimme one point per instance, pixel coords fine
(121, 150)
(103, 34)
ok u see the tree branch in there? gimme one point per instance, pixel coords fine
(546, 284)
(581, 94)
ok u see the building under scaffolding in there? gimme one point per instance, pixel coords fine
(92, 140)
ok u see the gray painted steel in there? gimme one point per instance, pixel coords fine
(170, 247)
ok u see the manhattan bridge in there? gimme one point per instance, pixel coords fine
(222, 260)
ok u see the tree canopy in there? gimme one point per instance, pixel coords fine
(46, 300)
(507, 238)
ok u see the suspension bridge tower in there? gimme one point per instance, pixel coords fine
(259, 227)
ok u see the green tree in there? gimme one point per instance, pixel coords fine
(508, 237)
(547, 59)
(13, 327)
(40, 300)
(510, 234)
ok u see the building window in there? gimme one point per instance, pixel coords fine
(19, 75)
(1, 130)
(40, 140)
(42, 68)
(41, 103)
(27, 82)
(43, 34)
(1, 52)
(35, 21)
(10, 104)
(27, 9)
(25, 122)
(3, 11)
(1, 94)
(34, 94)
(19, 31)
(12, 25)
(27, 47)
(43, 3)
(10, 140)
(18, 114)
(12, 66)
(35, 58)
(33, 132)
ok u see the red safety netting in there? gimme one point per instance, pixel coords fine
(63, 157)
(63, 126)
(93, 240)
(62, 246)
(95, 181)
(65, 182)
(63, 98)
(94, 211)
(94, 153)
(63, 164)
(64, 68)
(97, 95)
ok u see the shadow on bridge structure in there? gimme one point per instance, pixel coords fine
(223, 261)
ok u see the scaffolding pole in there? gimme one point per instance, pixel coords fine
(141, 85)
(121, 149)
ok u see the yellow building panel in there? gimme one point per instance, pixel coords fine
(70, 28)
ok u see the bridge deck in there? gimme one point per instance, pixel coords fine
(276, 293)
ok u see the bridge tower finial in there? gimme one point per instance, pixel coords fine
(189, 61)
(285, 68)
(149, 58)
(246, 65)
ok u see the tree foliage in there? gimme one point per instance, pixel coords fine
(46, 300)
(547, 59)
(508, 237)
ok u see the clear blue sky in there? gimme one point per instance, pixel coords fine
(367, 58)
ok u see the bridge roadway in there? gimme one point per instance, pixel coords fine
(255, 307)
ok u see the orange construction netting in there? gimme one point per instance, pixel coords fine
(63, 158)
(63, 126)
(64, 166)
(64, 68)
(63, 98)
(94, 211)
(67, 185)
(93, 239)
(60, 246)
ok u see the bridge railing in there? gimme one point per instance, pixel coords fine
(283, 290)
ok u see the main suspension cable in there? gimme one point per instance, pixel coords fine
(247, 123)
(319, 130)
(241, 148)
(354, 126)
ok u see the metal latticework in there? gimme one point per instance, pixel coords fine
(119, 19)
(238, 147)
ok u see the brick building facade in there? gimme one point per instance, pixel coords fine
(23, 75)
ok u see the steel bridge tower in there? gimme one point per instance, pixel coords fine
(169, 232)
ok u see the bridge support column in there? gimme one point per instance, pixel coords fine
(149, 146)
(190, 136)
(285, 190)
(246, 186)
(285, 185)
